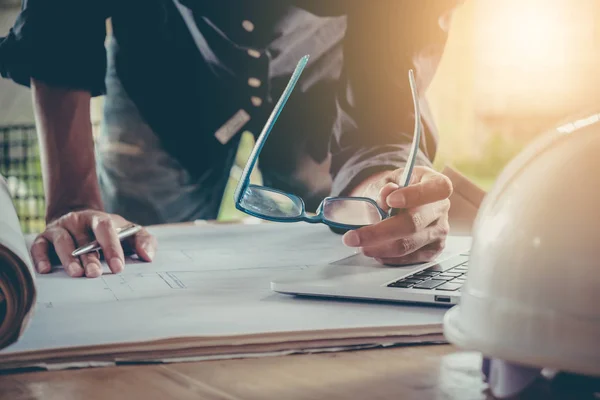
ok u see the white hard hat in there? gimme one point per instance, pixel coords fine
(532, 295)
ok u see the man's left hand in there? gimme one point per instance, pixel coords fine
(417, 233)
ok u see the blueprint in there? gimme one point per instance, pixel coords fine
(205, 281)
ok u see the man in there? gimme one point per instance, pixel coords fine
(184, 78)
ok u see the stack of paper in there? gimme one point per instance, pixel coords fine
(207, 295)
(17, 287)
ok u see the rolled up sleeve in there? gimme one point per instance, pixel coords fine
(60, 43)
(375, 126)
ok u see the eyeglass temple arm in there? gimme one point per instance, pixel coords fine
(412, 157)
(245, 177)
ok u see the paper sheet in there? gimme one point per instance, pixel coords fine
(201, 259)
(205, 281)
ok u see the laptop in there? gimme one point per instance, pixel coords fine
(358, 277)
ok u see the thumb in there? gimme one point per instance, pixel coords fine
(385, 191)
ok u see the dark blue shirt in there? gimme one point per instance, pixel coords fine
(191, 66)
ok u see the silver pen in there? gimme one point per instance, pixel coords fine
(122, 233)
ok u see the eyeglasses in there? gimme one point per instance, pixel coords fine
(337, 212)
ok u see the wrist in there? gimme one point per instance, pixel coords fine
(362, 188)
(57, 210)
(65, 194)
(66, 198)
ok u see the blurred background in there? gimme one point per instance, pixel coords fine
(511, 70)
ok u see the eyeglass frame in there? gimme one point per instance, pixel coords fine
(244, 181)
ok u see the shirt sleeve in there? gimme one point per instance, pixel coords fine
(375, 108)
(59, 42)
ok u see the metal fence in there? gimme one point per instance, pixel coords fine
(20, 165)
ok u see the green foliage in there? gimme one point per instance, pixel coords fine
(20, 166)
(228, 211)
(495, 155)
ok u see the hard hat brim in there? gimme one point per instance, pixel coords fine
(490, 348)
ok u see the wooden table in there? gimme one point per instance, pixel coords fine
(409, 372)
(412, 372)
(423, 372)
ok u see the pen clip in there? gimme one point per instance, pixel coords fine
(125, 227)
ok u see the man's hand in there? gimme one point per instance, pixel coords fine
(65, 234)
(417, 233)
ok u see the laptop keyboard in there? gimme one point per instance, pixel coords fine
(445, 277)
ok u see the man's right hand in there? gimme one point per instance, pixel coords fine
(63, 235)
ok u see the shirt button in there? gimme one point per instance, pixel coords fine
(256, 101)
(248, 25)
(254, 53)
(254, 82)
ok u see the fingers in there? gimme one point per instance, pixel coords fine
(431, 188)
(64, 245)
(76, 229)
(90, 262)
(418, 232)
(92, 265)
(385, 191)
(144, 245)
(40, 253)
(403, 246)
(410, 244)
(425, 254)
(407, 223)
(106, 235)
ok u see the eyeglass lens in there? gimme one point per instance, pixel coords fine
(355, 212)
(266, 202)
(269, 203)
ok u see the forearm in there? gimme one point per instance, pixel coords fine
(66, 149)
